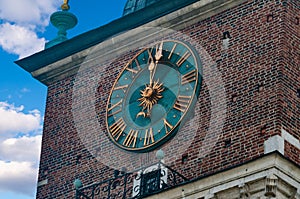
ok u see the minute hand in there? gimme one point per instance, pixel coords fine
(151, 68)
(158, 56)
(158, 53)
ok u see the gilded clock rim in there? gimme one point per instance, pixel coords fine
(183, 118)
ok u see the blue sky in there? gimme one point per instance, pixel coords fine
(24, 28)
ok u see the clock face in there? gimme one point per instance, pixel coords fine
(153, 95)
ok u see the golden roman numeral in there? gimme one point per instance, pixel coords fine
(183, 58)
(132, 70)
(150, 58)
(189, 77)
(171, 53)
(167, 125)
(136, 69)
(137, 64)
(121, 87)
(149, 137)
(150, 51)
(118, 104)
(130, 139)
(182, 103)
(117, 128)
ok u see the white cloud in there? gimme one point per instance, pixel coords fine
(22, 20)
(14, 121)
(25, 90)
(18, 177)
(34, 12)
(21, 149)
(20, 40)
(19, 156)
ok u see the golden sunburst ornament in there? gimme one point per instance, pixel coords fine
(150, 95)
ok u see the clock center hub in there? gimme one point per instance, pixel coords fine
(150, 96)
(148, 92)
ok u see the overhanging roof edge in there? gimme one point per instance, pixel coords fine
(98, 35)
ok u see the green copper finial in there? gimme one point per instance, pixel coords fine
(65, 6)
(63, 21)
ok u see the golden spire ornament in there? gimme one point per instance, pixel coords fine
(65, 6)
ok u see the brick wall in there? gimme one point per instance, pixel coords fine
(260, 72)
(290, 76)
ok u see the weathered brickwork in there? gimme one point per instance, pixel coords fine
(260, 72)
(290, 76)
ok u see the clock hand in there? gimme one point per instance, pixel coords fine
(152, 65)
(158, 56)
(151, 68)
(152, 93)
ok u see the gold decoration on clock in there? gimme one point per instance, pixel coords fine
(150, 96)
(152, 93)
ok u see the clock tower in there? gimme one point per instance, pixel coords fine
(175, 99)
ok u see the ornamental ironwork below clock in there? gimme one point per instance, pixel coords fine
(153, 95)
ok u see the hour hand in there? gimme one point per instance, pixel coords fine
(158, 53)
(151, 68)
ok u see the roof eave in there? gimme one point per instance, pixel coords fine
(96, 36)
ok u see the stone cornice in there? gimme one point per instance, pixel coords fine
(253, 171)
(115, 38)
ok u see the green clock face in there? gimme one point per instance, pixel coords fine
(153, 96)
